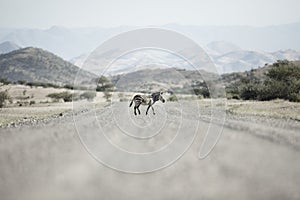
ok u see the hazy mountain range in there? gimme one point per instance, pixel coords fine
(37, 65)
(7, 47)
(232, 48)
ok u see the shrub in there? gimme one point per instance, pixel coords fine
(66, 96)
(68, 86)
(4, 96)
(5, 81)
(40, 84)
(31, 102)
(107, 95)
(89, 95)
(295, 97)
(249, 91)
(283, 81)
(106, 87)
(21, 82)
(173, 98)
(201, 88)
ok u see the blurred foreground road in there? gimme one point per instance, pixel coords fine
(256, 158)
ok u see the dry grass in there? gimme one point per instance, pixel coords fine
(276, 108)
(14, 114)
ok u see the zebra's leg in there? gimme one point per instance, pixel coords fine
(153, 110)
(135, 110)
(148, 109)
(139, 109)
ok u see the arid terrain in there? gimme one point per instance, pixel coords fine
(257, 156)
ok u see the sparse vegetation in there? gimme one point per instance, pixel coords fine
(66, 96)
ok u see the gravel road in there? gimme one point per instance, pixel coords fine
(255, 158)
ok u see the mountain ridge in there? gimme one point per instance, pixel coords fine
(37, 65)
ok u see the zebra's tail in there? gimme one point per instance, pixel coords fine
(131, 103)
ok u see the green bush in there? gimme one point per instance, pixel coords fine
(295, 97)
(282, 81)
(249, 91)
(66, 96)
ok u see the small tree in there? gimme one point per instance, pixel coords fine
(102, 80)
(103, 84)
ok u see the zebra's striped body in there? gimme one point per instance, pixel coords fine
(148, 100)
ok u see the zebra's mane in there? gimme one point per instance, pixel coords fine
(155, 96)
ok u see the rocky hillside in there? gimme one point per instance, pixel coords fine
(37, 65)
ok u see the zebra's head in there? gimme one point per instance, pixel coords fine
(161, 97)
(158, 97)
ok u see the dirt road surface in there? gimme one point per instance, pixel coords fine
(255, 158)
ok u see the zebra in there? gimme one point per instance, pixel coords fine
(146, 100)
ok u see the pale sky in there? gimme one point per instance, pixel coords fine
(84, 13)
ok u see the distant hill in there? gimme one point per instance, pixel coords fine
(288, 54)
(243, 60)
(7, 47)
(221, 47)
(160, 79)
(37, 65)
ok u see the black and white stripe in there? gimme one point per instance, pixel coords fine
(147, 100)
